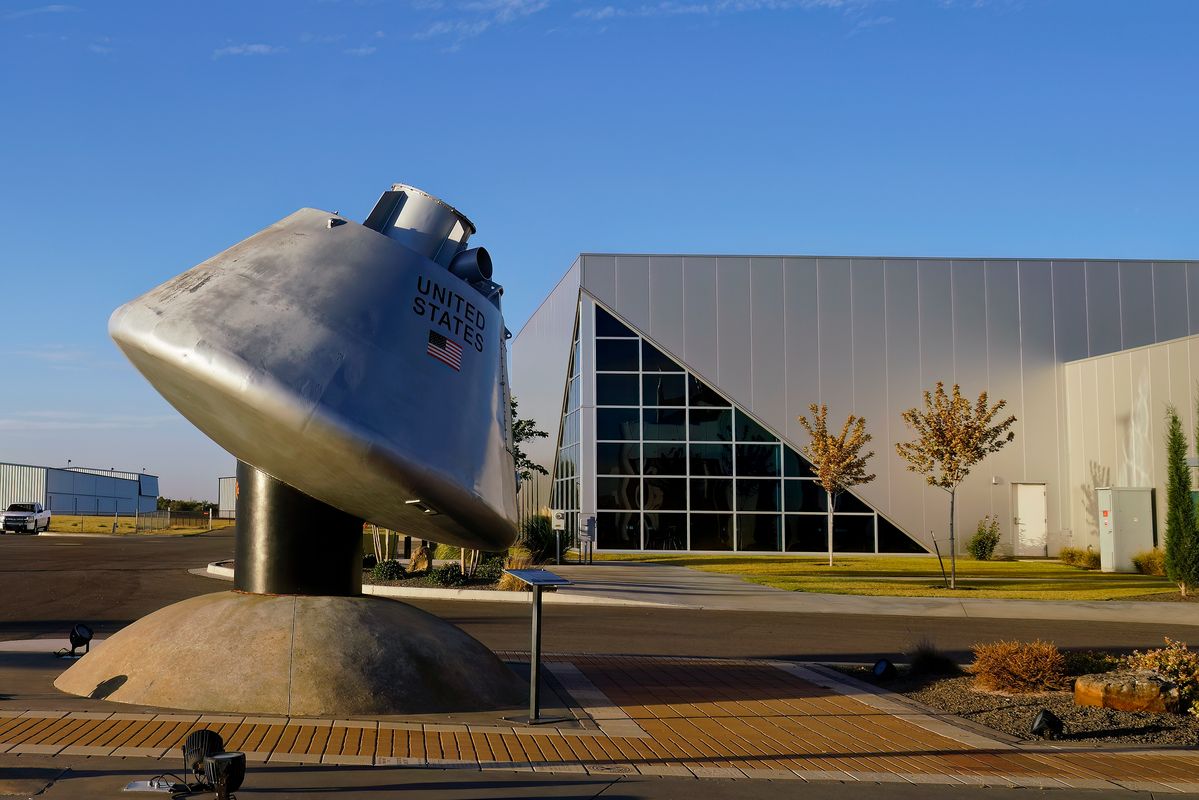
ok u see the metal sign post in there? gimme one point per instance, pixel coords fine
(537, 579)
(559, 520)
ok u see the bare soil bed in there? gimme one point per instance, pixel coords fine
(1014, 714)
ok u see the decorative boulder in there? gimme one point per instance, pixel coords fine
(1127, 691)
(421, 561)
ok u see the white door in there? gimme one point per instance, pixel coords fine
(1031, 523)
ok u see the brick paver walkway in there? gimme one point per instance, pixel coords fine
(658, 716)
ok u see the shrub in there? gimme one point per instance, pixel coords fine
(490, 568)
(982, 544)
(537, 537)
(387, 571)
(369, 560)
(1177, 664)
(1091, 662)
(926, 659)
(447, 575)
(1018, 667)
(1150, 562)
(1077, 557)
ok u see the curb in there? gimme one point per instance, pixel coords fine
(217, 570)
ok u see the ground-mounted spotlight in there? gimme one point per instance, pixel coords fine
(80, 636)
(199, 746)
(1047, 725)
(883, 670)
(225, 772)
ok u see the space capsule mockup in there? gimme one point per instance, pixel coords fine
(361, 364)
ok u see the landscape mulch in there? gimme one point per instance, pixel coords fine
(1014, 714)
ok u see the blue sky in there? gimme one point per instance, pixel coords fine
(139, 138)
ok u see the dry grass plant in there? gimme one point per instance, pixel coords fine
(1018, 667)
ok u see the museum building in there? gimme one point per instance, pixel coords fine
(670, 387)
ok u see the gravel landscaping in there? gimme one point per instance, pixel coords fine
(1013, 714)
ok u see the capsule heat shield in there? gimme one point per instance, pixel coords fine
(345, 364)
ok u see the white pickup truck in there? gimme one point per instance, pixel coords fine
(27, 517)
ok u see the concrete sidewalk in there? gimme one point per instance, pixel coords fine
(688, 588)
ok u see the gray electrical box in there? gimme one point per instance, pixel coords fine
(1126, 526)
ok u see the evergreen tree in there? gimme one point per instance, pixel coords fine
(1182, 528)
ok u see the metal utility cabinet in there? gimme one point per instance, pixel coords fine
(1126, 526)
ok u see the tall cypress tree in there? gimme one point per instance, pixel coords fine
(1182, 555)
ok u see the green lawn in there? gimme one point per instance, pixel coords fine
(917, 576)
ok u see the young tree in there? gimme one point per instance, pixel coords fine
(1182, 528)
(837, 459)
(525, 430)
(951, 437)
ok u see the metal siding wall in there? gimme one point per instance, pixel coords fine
(1004, 381)
(1170, 300)
(538, 366)
(1103, 307)
(1039, 376)
(632, 290)
(667, 318)
(836, 332)
(906, 489)
(1137, 469)
(969, 286)
(20, 483)
(699, 296)
(768, 355)
(869, 370)
(1136, 304)
(732, 328)
(599, 276)
(1070, 310)
(1192, 297)
(801, 305)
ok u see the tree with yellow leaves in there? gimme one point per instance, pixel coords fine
(837, 459)
(951, 437)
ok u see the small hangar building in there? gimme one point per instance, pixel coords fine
(79, 490)
(670, 384)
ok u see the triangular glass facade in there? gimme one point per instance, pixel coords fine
(680, 467)
(565, 491)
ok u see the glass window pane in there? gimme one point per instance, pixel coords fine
(617, 423)
(756, 494)
(849, 504)
(712, 459)
(618, 493)
(618, 531)
(665, 531)
(795, 465)
(758, 532)
(750, 431)
(804, 496)
(665, 424)
(711, 531)
(608, 325)
(616, 355)
(711, 425)
(576, 363)
(618, 459)
(667, 493)
(804, 534)
(711, 494)
(893, 540)
(572, 395)
(665, 459)
(703, 395)
(664, 389)
(758, 459)
(617, 390)
(654, 360)
(853, 534)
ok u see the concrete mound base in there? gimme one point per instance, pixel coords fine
(295, 656)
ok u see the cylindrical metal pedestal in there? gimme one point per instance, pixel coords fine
(291, 543)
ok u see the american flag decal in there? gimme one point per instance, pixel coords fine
(445, 351)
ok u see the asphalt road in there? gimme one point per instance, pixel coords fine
(49, 583)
